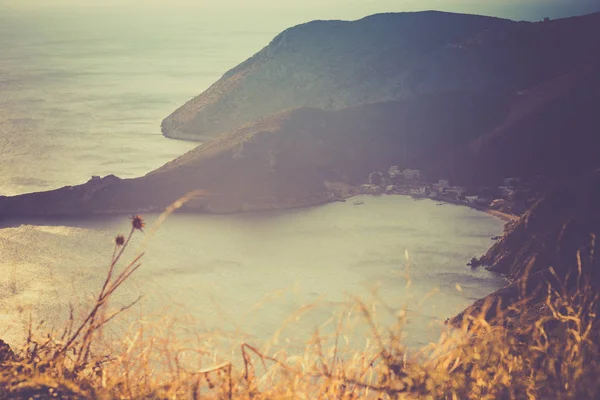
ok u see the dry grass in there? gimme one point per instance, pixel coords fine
(542, 352)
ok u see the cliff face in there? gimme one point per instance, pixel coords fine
(561, 224)
(335, 64)
(560, 231)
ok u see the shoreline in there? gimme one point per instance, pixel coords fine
(507, 218)
(501, 215)
(246, 208)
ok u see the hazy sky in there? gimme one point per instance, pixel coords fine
(338, 9)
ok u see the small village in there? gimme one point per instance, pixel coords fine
(512, 196)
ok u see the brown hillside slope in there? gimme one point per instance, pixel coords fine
(335, 64)
(324, 64)
(551, 130)
(284, 160)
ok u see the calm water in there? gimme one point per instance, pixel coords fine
(84, 95)
(216, 269)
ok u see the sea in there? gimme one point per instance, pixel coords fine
(83, 92)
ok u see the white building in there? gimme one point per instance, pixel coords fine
(442, 185)
(456, 190)
(375, 178)
(371, 189)
(394, 172)
(419, 191)
(471, 199)
(411, 174)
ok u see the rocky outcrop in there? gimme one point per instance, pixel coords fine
(68, 200)
(336, 64)
(496, 306)
(559, 232)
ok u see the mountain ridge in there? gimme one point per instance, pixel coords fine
(336, 64)
(318, 64)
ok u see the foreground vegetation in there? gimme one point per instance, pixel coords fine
(529, 351)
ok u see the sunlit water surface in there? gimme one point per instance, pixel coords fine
(83, 92)
(246, 274)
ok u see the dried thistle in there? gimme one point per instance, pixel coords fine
(120, 240)
(137, 222)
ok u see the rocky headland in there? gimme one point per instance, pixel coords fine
(332, 65)
(397, 56)
(554, 244)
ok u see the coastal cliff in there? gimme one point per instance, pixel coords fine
(336, 64)
(554, 244)
(560, 228)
